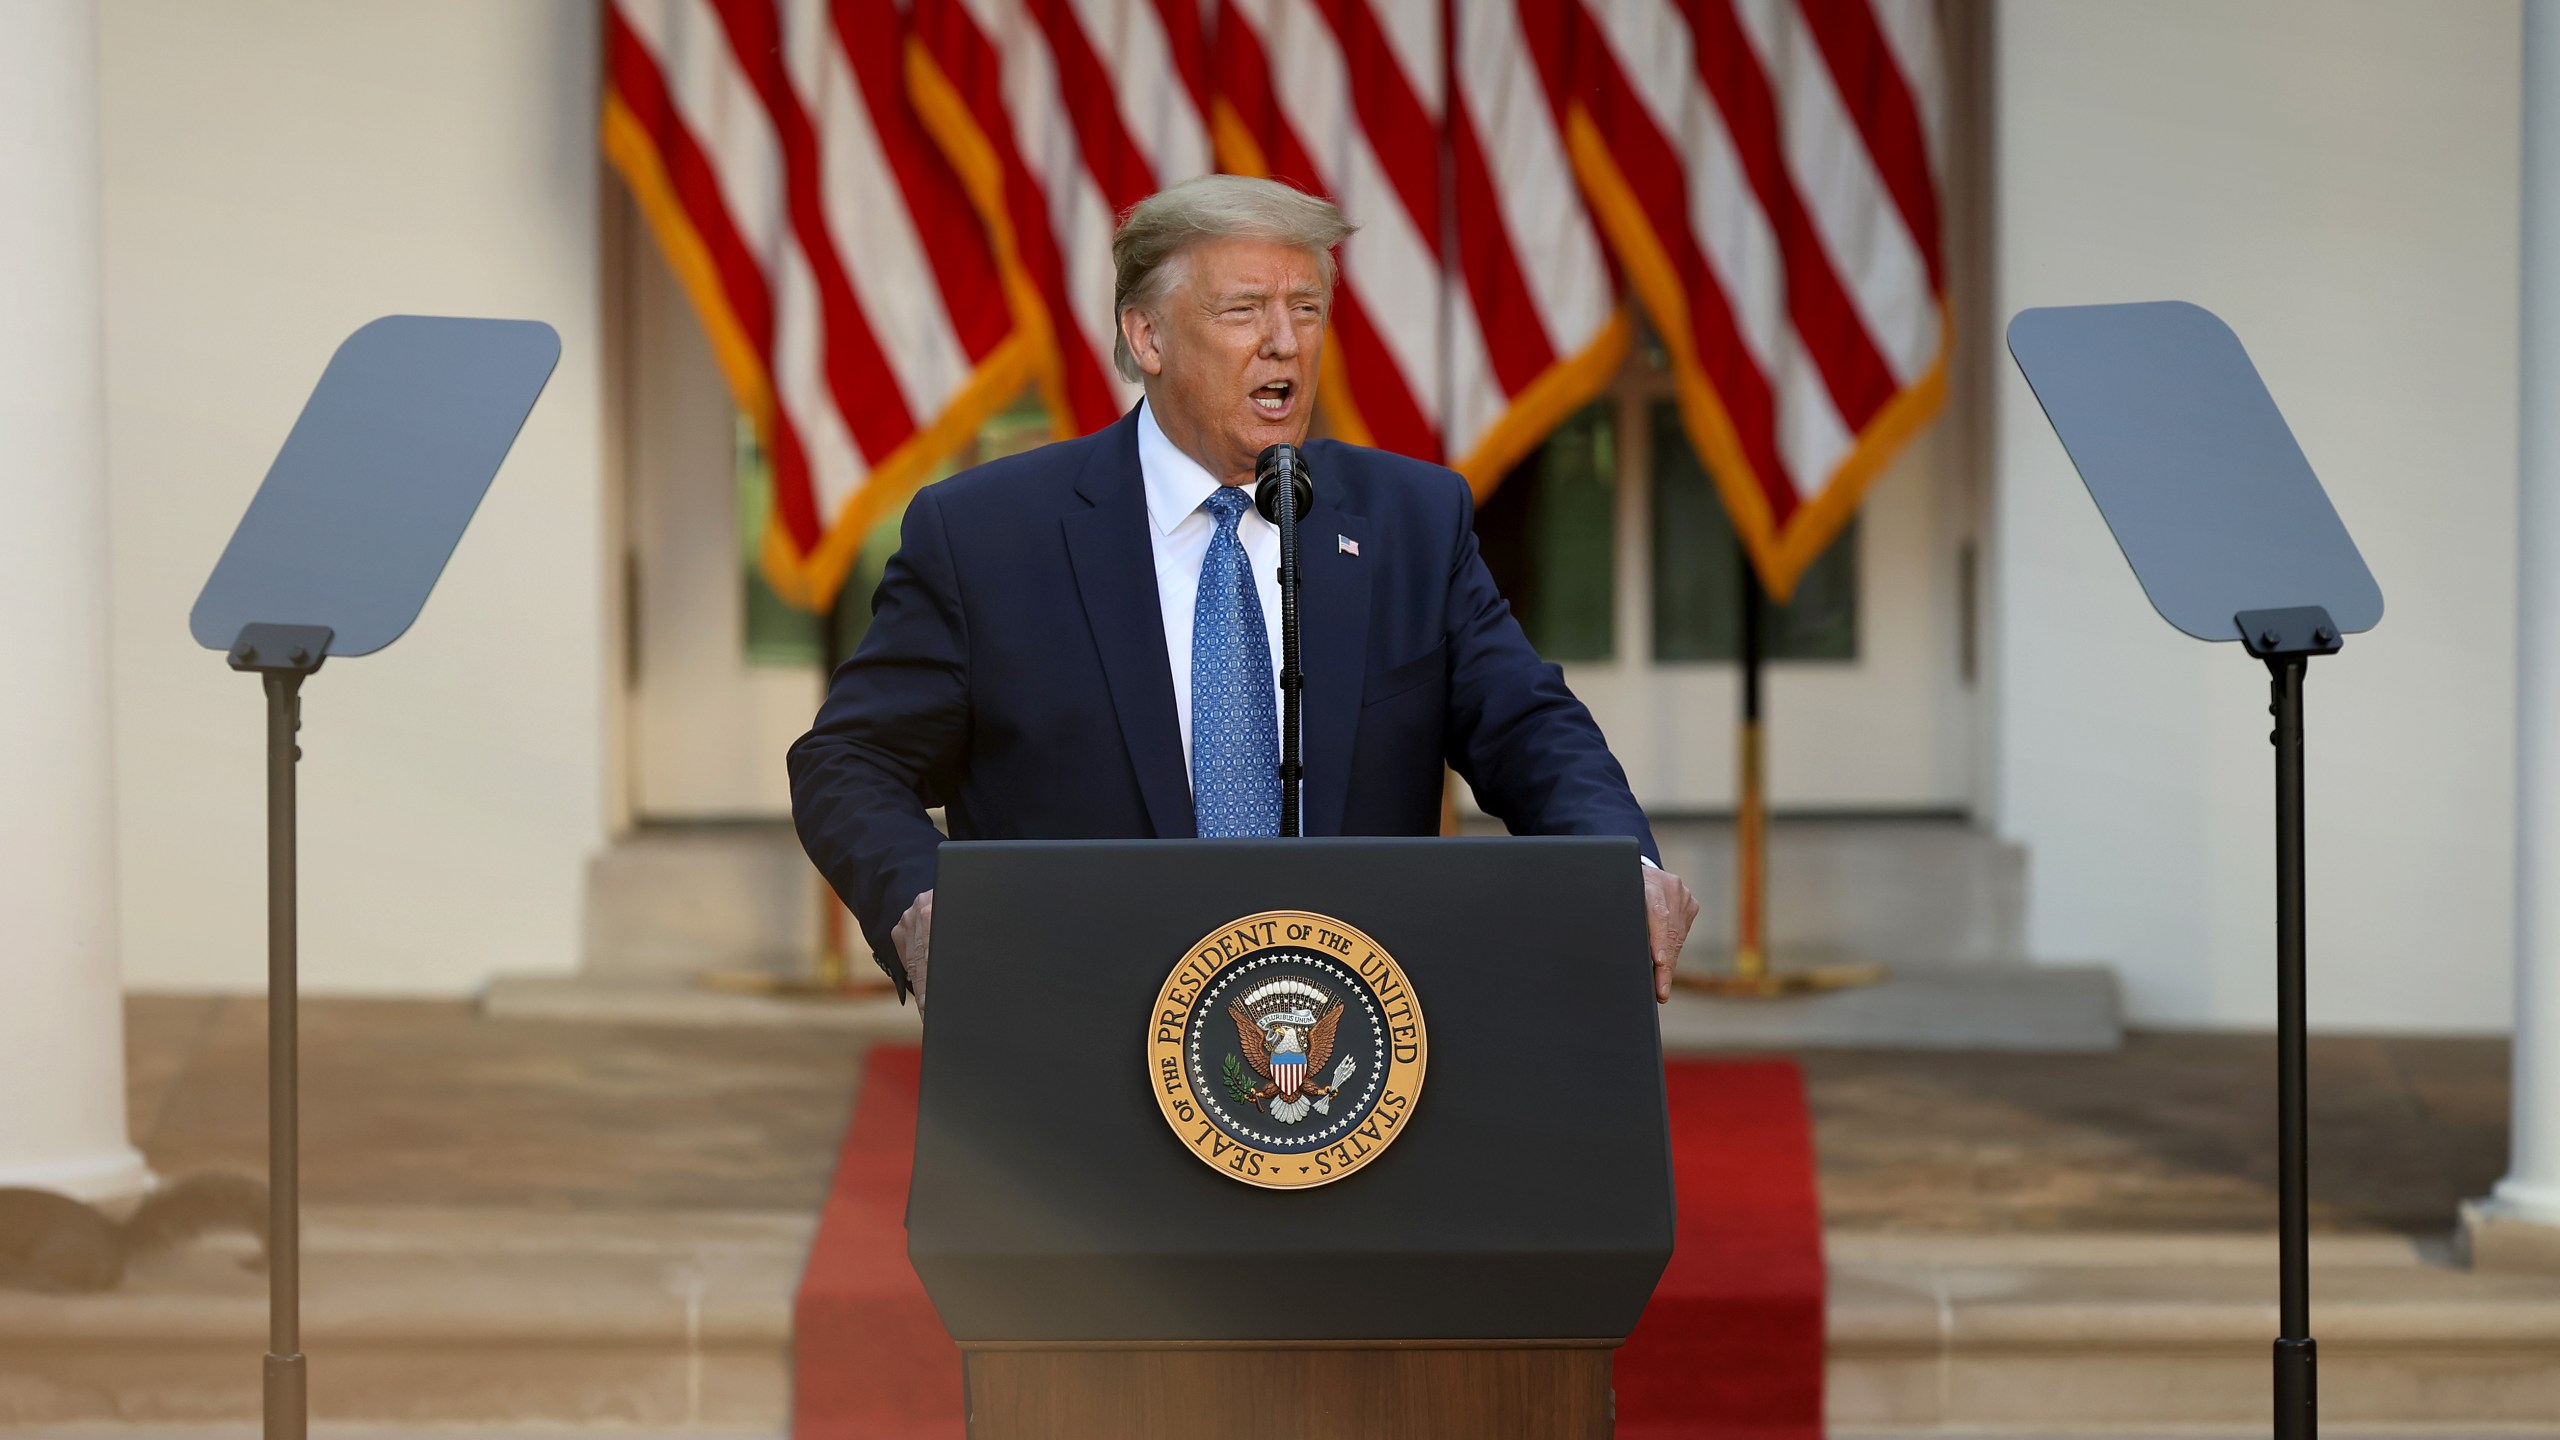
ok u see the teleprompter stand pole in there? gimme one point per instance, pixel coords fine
(282, 655)
(2216, 509)
(2286, 640)
(347, 536)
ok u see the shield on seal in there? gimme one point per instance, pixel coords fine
(1289, 1071)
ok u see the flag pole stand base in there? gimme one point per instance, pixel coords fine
(1752, 979)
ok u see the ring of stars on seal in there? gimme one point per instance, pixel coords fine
(1287, 1049)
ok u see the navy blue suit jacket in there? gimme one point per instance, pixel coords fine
(1015, 673)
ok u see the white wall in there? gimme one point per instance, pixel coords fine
(275, 175)
(2339, 182)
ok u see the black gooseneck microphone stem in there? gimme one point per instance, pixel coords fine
(1282, 490)
(1292, 679)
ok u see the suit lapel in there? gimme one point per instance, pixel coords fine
(1115, 570)
(1333, 632)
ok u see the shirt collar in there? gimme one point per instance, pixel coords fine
(1176, 483)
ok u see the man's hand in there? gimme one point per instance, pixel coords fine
(1669, 911)
(913, 935)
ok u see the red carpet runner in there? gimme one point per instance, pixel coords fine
(1730, 1348)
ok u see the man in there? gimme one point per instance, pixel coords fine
(1081, 642)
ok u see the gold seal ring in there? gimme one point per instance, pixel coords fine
(1287, 1050)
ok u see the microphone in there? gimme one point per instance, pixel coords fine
(1282, 491)
(1281, 464)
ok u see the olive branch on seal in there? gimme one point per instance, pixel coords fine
(1234, 1073)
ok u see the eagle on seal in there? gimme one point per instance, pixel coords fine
(1287, 1060)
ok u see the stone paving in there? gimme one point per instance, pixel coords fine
(429, 1103)
(426, 1103)
(2175, 1132)
(520, 1223)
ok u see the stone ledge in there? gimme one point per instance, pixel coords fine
(2009, 1007)
(437, 1316)
(1993, 1007)
(2051, 1332)
(2494, 1237)
(680, 1320)
(597, 1000)
(362, 1430)
(2185, 1432)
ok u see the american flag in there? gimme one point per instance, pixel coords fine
(1763, 169)
(892, 217)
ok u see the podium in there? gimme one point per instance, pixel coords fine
(1228, 1139)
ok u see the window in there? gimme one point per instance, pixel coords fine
(1698, 569)
(1549, 535)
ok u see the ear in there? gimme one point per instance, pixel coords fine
(1146, 340)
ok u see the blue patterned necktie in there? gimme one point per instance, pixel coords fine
(1235, 732)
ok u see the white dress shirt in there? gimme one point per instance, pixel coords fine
(1178, 489)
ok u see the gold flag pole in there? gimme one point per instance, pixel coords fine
(1751, 977)
(834, 970)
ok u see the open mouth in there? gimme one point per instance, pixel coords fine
(1275, 398)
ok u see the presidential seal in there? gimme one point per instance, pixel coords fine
(1286, 1050)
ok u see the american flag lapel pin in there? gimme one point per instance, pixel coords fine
(1345, 545)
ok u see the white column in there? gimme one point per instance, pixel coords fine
(2530, 1194)
(61, 1017)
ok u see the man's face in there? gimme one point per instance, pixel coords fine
(1230, 352)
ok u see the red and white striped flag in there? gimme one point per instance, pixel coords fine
(1477, 307)
(1062, 114)
(1342, 98)
(845, 280)
(1537, 328)
(890, 218)
(1762, 170)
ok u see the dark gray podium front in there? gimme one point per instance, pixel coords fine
(1470, 1278)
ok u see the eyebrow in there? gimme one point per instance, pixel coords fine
(1229, 297)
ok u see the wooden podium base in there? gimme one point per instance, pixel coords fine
(1289, 1389)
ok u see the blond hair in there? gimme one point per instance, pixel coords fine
(1147, 249)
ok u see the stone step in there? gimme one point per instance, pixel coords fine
(677, 1323)
(672, 901)
(622, 1000)
(1934, 899)
(2053, 1008)
(1930, 891)
(1927, 892)
(2256, 1431)
(2077, 1331)
(366, 1430)
(437, 1317)
(2006, 1007)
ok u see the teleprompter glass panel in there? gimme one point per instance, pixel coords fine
(1697, 570)
(379, 475)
